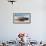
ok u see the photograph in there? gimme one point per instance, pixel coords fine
(21, 18)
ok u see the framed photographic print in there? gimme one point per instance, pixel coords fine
(21, 18)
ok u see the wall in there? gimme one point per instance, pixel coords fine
(37, 28)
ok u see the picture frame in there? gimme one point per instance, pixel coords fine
(21, 18)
